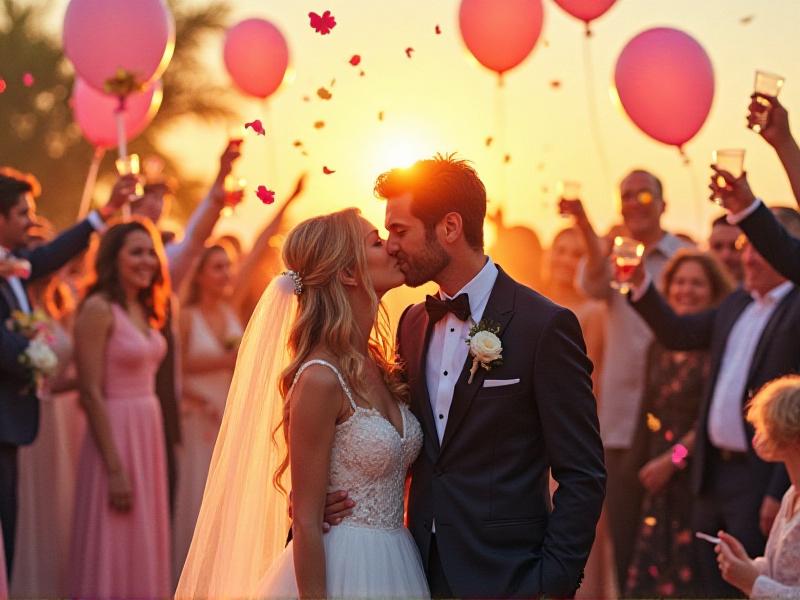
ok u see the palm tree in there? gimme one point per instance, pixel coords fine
(39, 134)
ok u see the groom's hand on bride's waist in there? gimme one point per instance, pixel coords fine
(337, 507)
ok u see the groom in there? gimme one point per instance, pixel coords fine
(479, 506)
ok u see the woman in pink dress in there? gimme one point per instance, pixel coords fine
(210, 334)
(120, 540)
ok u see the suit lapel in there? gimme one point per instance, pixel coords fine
(8, 296)
(769, 331)
(420, 396)
(499, 310)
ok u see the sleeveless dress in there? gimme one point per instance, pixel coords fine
(199, 427)
(47, 483)
(115, 554)
(370, 554)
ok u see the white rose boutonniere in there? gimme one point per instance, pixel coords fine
(485, 347)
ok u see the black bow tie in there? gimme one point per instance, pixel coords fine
(437, 308)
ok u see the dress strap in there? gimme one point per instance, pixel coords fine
(318, 361)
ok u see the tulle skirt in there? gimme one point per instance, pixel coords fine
(361, 562)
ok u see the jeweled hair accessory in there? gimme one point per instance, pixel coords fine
(298, 281)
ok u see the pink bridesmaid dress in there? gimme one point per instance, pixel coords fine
(114, 554)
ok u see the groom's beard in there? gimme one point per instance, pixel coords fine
(424, 266)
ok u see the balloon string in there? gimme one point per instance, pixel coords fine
(272, 166)
(91, 179)
(119, 114)
(591, 103)
(699, 205)
(500, 127)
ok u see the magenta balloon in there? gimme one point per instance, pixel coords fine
(95, 112)
(103, 36)
(665, 81)
(256, 56)
(586, 10)
(500, 34)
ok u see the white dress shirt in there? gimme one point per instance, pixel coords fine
(447, 350)
(725, 426)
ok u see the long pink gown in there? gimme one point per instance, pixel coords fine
(114, 554)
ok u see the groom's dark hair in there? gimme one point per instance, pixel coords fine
(438, 186)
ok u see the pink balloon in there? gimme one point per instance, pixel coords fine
(500, 34)
(95, 112)
(586, 10)
(665, 81)
(103, 36)
(256, 56)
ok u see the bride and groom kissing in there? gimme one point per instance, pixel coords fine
(488, 394)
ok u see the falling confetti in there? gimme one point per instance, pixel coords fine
(322, 24)
(489, 141)
(409, 51)
(653, 422)
(327, 171)
(319, 124)
(650, 521)
(297, 143)
(507, 158)
(747, 20)
(438, 30)
(266, 196)
(256, 126)
(679, 454)
(28, 80)
(306, 99)
(355, 60)
(555, 84)
(333, 82)
(380, 116)
(2, 85)
(324, 94)
(668, 435)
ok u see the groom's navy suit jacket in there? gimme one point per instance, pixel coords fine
(19, 407)
(486, 484)
(773, 242)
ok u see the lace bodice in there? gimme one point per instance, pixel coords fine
(370, 459)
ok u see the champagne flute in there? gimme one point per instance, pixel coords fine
(568, 192)
(626, 254)
(234, 193)
(730, 160)
(767, 84)
(129, 165)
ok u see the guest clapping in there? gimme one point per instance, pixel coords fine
(120, 541)
(775, 414)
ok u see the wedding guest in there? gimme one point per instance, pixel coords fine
(47, 467)
(566, 252)
(752, 339)
(722, 244)
(210, 333)
(663, 562)
(19, 405)
(120, 541)
(523, 265)
(625, 353)
(775, 414)
(180, 258)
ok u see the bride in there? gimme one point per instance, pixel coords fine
(316, 405)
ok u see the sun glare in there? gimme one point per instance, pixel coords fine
(401, 150)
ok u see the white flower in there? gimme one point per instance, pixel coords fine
(41, 357)
(485, 347)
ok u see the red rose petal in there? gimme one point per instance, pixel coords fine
(438, 30)
(324, 94)
(355, 60)
(555, 84)
(409, 50)
(322, 24)
(489, 141)
(327, 171)
(266, 196)
(256, 126)
(319, 124)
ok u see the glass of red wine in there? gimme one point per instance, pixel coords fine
(626, 255)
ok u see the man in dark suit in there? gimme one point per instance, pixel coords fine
(753, 337)
(19, 406)
(479, 506)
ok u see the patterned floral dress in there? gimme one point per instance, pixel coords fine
(663, 563)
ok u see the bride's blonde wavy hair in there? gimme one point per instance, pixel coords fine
(320, 250)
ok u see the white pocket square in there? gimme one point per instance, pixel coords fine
(487, 383)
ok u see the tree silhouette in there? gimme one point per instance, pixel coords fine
(39, 134)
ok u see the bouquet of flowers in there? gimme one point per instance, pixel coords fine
(38, 357)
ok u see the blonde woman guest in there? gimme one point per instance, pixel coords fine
(120, 540)
(775, 414)
(210, 334)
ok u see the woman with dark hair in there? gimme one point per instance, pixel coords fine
(663, 563)
(120, 541)
(210, 333)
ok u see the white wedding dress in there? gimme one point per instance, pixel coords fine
(370, 554)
